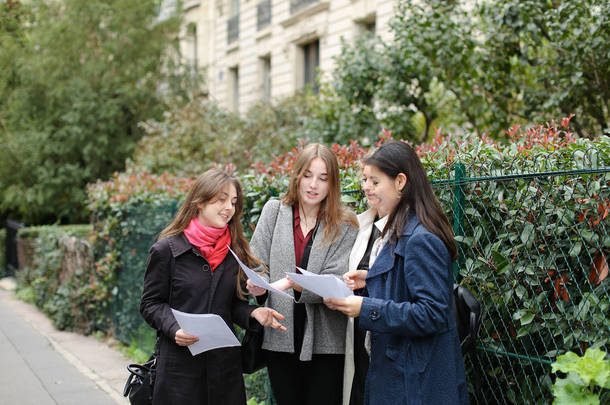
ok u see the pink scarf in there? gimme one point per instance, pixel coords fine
(213, 243)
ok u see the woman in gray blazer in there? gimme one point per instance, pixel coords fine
(309, 228)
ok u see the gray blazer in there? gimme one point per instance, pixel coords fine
(273, 244)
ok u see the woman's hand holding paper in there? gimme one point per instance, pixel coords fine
(185, 339)
(294, 285)
(355, 279)
(350, 306)
(254, 290)
(281, 284)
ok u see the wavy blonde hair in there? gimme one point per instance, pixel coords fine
(332, 211)
(205, 189)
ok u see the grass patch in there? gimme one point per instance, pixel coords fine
(134, 353)
(26, 294)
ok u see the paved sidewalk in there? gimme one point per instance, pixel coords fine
(41, 365)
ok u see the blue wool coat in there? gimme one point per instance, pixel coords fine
(415, 351)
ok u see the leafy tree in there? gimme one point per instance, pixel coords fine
(484, 66)
(76, 78)
(198, 134)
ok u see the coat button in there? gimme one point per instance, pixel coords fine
(206, 267)
(374, 314)
(385, 276)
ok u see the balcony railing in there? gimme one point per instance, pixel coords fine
(233, 29)
(296, 5)
(263, 14)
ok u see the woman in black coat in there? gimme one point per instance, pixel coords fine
(189, 269)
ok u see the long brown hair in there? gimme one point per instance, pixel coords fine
(204, 190)
(396, 157)
(332, 211)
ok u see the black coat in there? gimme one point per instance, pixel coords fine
(212, 377)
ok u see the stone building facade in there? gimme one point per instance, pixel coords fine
(260, 50)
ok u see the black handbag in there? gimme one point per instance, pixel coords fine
(140, 384)
(467, 316)
(252, 358)
(141, 381)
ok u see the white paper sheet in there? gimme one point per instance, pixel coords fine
(325, 285)
(257, 280)
(211, 330)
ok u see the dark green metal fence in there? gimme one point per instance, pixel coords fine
(533, 248)
(533, 243)
(136, 233)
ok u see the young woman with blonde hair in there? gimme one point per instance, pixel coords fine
(189, 269)
(309, 228)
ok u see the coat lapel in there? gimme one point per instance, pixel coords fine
(386, 258)
(383, 263)
(285, 234)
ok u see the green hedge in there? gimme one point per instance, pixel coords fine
(495, 218)
(61, 279)
(83, 231)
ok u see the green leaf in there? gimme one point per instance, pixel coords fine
(575, 249)
(591, 368)
(527, 318)
(526, 234)
(501, 262)
(569, 391)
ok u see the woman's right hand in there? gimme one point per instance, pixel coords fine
(185, 339)
(268, 317)
(355, 279)
(254, 290)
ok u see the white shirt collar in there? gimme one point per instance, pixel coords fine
(381, 222)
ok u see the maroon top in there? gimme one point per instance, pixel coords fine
(300, 241)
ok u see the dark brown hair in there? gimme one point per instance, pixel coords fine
(393, 158)
(204, 190)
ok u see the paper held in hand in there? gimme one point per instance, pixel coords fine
(325, 285)
(257, 280)
(211, 330)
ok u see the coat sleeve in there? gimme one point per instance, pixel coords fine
(336, 262)
(427, 275)
(240, 313)
(154, 305)
(260, 243)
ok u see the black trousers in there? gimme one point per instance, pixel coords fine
(315, 382)
(361, 366)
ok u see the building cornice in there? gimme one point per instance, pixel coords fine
(305, 12)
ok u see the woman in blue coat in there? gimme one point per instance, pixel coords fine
(406, 304)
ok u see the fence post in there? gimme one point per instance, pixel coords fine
(458, 215)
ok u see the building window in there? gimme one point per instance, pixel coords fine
(234, 8)
(265, 78)
(234, 88)
(191, 33)
(311, 62)
(366, 27)
(296, 5)
(167, 9)
(263, 14)
(233, 22)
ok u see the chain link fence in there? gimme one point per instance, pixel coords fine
(533, 244)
